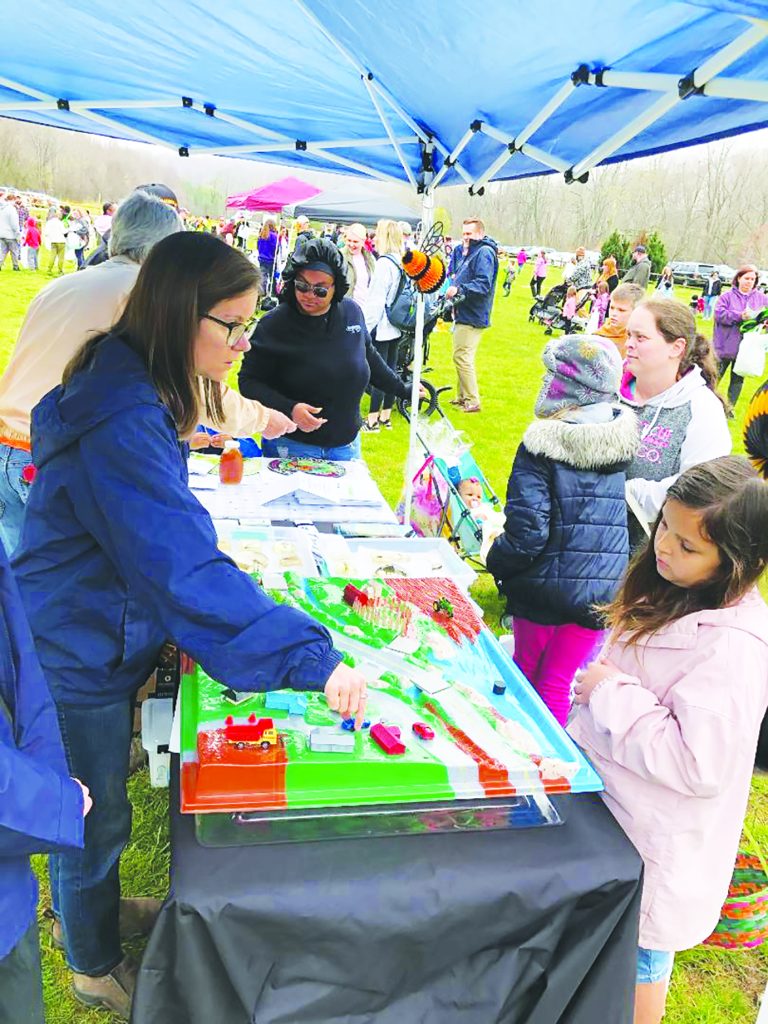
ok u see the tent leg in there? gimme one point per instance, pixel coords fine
(427, 214)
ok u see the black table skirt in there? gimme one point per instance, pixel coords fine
(528, 927)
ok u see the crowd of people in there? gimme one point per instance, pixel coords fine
(628, 556)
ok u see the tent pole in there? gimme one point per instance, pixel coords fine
(427, 215)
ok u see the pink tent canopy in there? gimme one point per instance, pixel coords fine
(275, 196)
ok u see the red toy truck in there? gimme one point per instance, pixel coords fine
(256, 732)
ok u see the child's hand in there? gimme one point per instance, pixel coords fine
(346, 692)
(588, 679)
(87, 802)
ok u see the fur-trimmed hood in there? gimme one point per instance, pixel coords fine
(586, 445)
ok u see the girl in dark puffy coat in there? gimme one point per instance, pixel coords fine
(565, 544)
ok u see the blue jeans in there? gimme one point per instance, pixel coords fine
(13, 495)
(284, 448)
(653, 965)
(85, 884)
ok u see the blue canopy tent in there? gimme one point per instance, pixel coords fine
(428, 94)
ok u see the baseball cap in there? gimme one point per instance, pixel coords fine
(160, 192)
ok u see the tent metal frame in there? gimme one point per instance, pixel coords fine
(704, 80)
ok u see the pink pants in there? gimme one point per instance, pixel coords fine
(549, 657)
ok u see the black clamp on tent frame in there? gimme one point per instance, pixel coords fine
(301, 145)
(427, 171)
(686, 86)
(62, 104)
(580, 76)
(569, 178)
(599, 78)
(210, 109)
(187, 101)
(476, 126)
(183, 150)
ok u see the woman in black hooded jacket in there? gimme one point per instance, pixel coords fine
(313, 358)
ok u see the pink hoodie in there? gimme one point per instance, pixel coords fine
(674, 740)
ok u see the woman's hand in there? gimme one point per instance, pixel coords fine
(346, 692)
(588, 679)
(87, 801)
(303, 415)
(199, 440)
(277, 425)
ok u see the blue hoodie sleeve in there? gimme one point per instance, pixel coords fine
(163, 544)
(41, 808)
(527, 510)
(41, 811)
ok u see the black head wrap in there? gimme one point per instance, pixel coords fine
(315, 251)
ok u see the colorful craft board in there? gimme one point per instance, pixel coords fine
(430, 662)
(306, 464)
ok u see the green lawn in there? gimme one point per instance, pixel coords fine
(708, 987)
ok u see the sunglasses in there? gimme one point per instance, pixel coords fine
(236, 330)
(319, 290)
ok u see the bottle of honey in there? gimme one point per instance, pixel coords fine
(231, 463)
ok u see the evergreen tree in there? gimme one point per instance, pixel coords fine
(657, 252)
(618, 246)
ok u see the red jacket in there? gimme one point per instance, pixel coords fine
(32, 237)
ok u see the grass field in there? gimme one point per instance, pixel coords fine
(708, 987)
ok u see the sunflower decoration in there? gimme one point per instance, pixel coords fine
(756, 430)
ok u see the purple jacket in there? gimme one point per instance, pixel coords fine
(266, 247)
(728, 310)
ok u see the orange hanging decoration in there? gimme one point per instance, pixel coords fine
(434, 276)
(415, 263)
(427, 272)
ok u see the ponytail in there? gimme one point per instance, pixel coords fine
(701, 353)
(673, 321)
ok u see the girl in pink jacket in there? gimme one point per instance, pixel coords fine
(670, 714)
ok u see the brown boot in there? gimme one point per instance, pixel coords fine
(113, 991)
(137, 917)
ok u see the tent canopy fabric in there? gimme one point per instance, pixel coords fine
(349, 205)
(398, 90)
(273, 197)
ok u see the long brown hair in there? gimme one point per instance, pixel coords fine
(674, 320)
(266, 229)
(733, 503)
(184, 276)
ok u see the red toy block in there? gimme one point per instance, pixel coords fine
(388, 738)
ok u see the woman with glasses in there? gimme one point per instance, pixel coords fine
(117, 555)
(312, 358)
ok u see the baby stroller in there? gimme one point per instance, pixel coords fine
(548, 310)
(438, 508)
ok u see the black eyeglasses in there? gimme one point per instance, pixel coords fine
(305, 288)
(235, 331)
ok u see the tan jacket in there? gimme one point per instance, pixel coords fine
(60, 318)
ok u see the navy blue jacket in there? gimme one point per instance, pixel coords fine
(565, 544)
(41, 808)
(475, 277)
(117, 554)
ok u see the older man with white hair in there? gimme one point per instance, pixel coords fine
(59, 320)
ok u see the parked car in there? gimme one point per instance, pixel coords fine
(694, 274)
